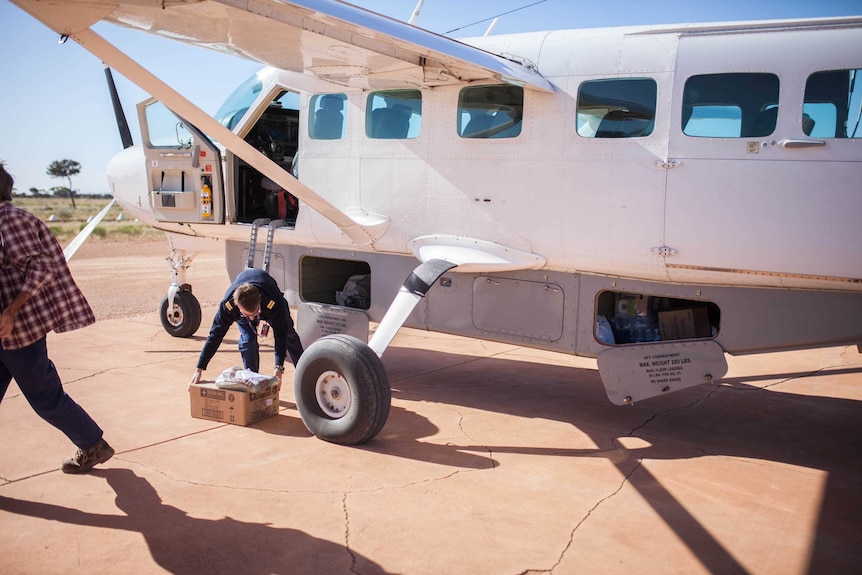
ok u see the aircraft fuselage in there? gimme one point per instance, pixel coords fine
(692, 191)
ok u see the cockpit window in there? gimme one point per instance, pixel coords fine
(238, 103)
(734, 105)
(394, 114)
(833, 105)
(327, 117)
(490, 111)
(617, 108)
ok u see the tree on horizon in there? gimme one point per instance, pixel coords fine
(65, 169)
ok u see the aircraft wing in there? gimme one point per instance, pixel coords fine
(330, 39)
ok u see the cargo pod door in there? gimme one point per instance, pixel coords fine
(183, 168)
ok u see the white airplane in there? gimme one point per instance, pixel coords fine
(655, 197)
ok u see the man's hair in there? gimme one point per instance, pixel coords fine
(247, 297)
(6, 184)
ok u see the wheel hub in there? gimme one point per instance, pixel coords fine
(333, 394)
(175, 316)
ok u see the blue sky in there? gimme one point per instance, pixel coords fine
(54, 102)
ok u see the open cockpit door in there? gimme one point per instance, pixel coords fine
(271, 126)
(183, 166)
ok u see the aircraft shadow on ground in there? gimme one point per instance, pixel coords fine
(185, 545)
(730, 418)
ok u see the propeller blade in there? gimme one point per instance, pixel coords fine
(85, 233)
(122, 125)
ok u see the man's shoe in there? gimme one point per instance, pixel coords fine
(85, 459)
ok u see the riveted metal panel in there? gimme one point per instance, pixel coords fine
(518, 307)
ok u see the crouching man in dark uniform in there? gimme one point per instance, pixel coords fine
(253, 296)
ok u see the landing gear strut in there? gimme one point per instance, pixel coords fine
(180, 311)
(341, 389)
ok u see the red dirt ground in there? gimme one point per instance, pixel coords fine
(125, 278)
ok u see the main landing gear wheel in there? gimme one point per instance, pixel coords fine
(342, 392)
(184, 318)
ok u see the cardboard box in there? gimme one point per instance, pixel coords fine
(687, 323)
(230, 406)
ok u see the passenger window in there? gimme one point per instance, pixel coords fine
(832, 105)
(327, 117)
(490, 111)
(618, 108)
(394, 114)
(742, 105)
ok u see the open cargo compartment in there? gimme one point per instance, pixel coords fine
(627, 318)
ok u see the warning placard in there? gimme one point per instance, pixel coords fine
(665, 368)
(317, 320)
(635, 372)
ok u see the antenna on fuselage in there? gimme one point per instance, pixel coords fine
(416, 12)
(122, 124)
(491, 27)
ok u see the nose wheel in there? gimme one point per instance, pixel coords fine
(183, 318)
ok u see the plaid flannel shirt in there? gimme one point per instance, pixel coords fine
(32, 261)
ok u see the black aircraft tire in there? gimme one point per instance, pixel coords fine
(185, 318)
(342, 391)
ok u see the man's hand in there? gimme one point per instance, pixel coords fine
(7, 322)
(196, 378)
(7, 318)
(279, 371)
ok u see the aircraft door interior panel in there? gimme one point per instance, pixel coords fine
(183, 167)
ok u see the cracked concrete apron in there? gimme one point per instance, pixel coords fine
(495, 459)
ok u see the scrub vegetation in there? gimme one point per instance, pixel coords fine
(65, 221)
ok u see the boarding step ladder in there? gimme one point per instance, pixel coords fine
(271, 226)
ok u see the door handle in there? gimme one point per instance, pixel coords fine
(801, 143)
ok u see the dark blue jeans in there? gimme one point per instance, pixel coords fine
(248, 346)
(38, 380)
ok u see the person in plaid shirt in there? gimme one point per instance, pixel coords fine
(37, 295)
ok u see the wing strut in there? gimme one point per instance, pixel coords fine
(82, 236)
(119, 61)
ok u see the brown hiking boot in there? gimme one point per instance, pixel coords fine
(85, 459)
